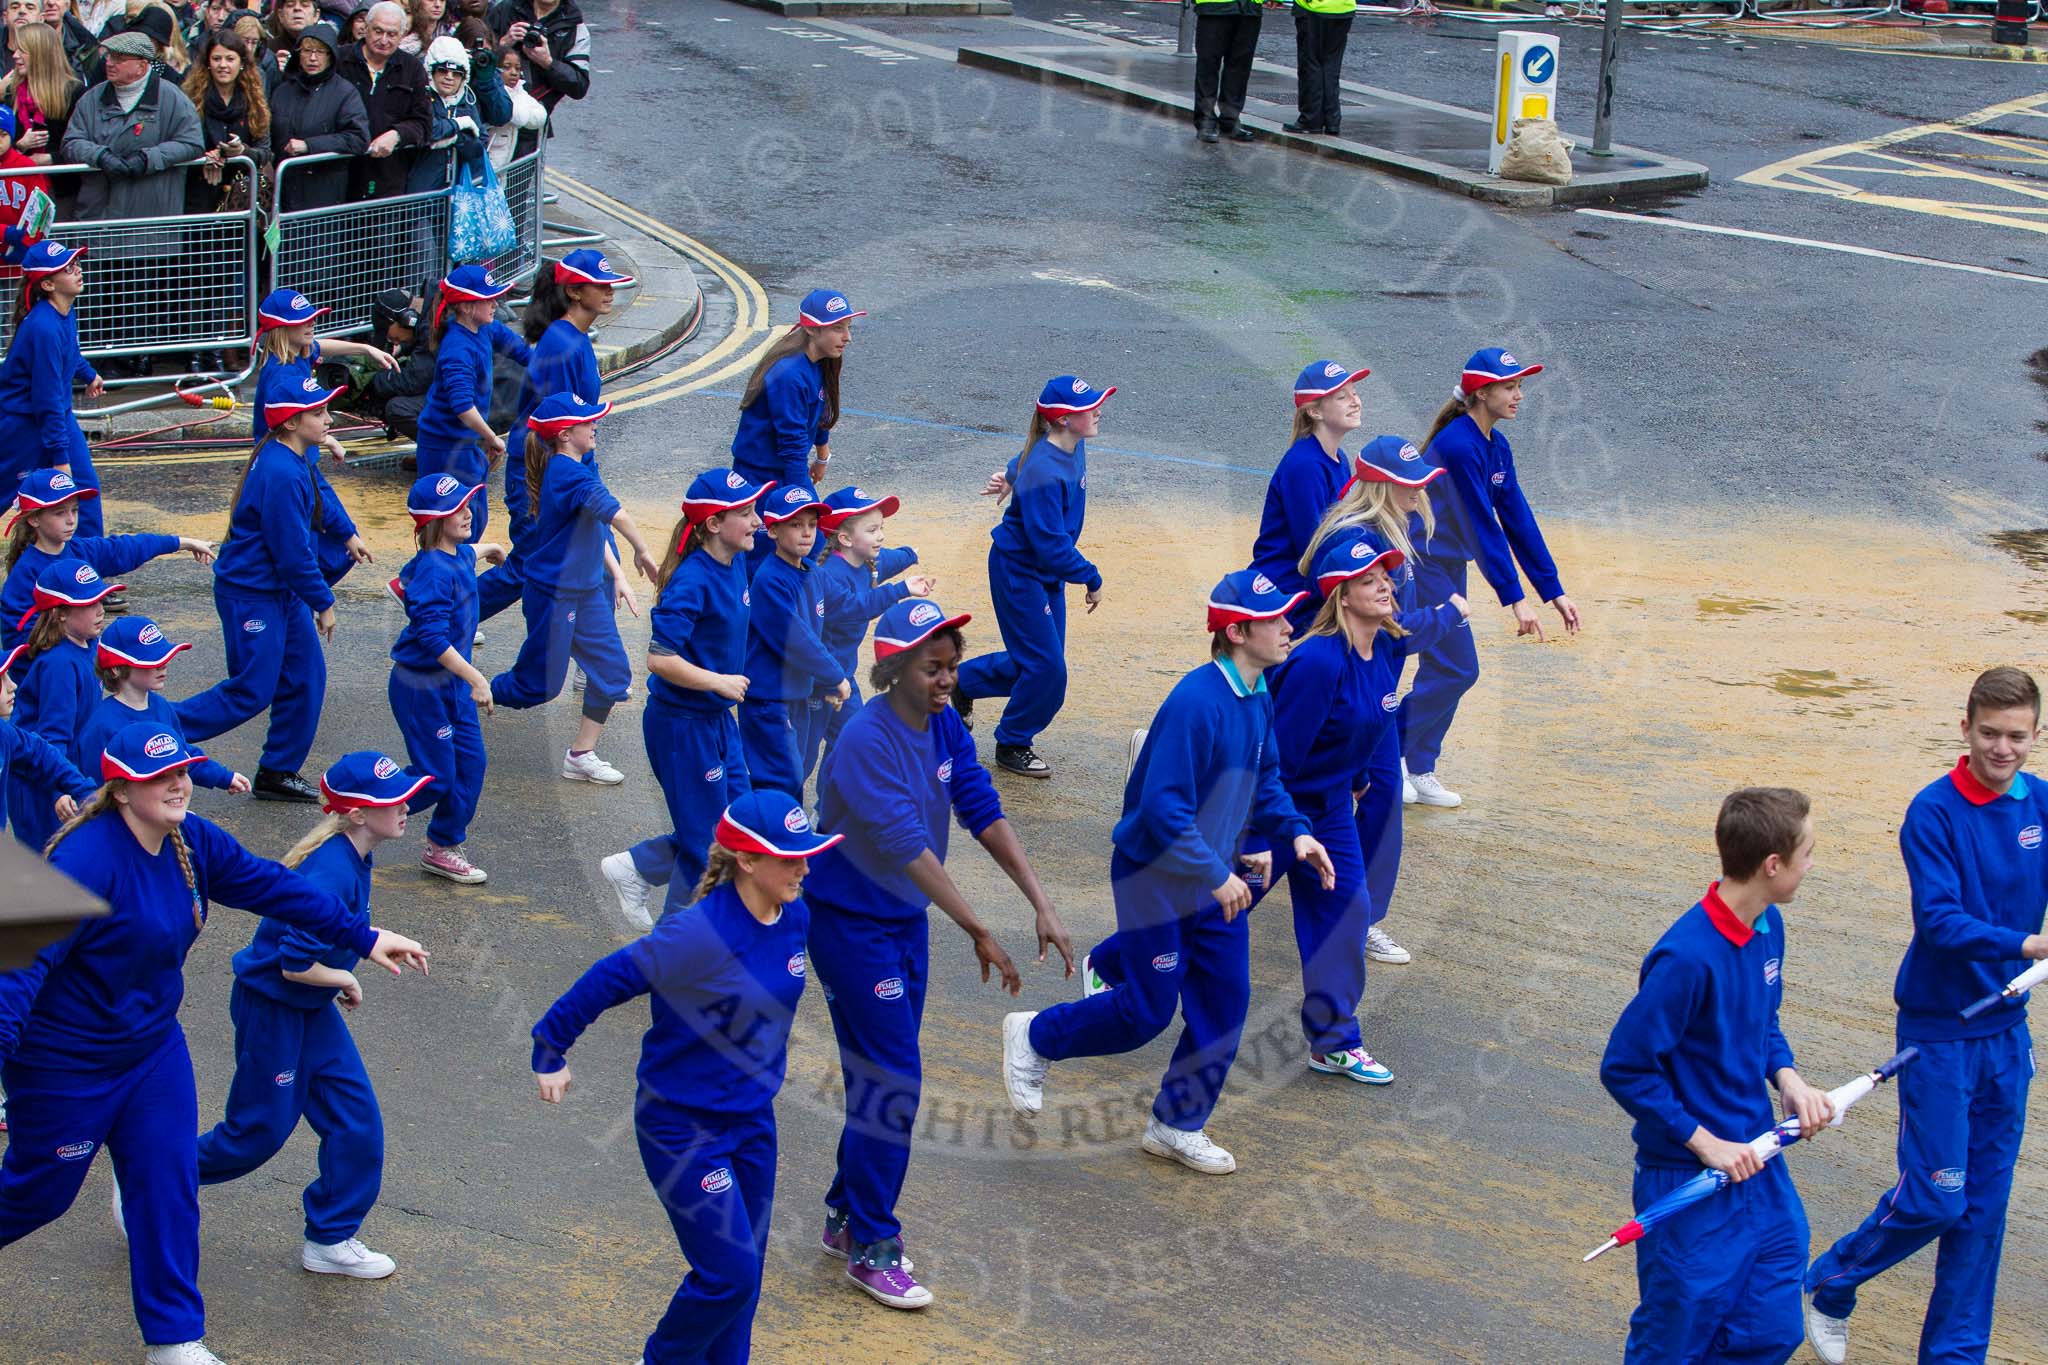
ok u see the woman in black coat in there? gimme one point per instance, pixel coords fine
(226, 87)
(314, 110)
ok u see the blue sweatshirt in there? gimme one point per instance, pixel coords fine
(36, 377)
(1700, 1042)
(1486, 518)
(336, 868)
(1980, 881)
(564, 552)
(39, 766)
(106, 995)
(269, 549)
(463, 364)
(778, 430)
(1330, 711)
(56, 693)
(279, 379)
(701, 618)
(563, 361)
(1048, 503)
(1305, 483)
(440, 608)
(786, 660)
(110, 714)
(725, 989)
(855, 594)
(1207, 770)
(111, 555)
(889, 789)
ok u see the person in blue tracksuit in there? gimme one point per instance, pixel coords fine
(274, 604)
(787, 666)
(791, 401)
(455, 435)
(1691, 1060)
(1032, 558)
(44, 529)
(1388, 496)
(55, 690)
(1972, 844)
(573, 585)
(855, 577)
(1310, 475)
(31, 764)
(434, 689)
(902, 767)
(90, 1047)
(568, 300)
(42, 365)
(695, 656)
(133, 663)
(1208, 771)
(724, 981)
(1483, 516)
(294, 1057)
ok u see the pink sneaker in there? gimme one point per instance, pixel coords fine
(449, 863)
(838, 1238)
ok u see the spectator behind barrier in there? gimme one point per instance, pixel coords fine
(521, 134)
(553, 41)
(315, 110)
(288, 19)
(431, 19)
(248, 26)
(81, 44)
(393, 85)
(355, 27)
(15, 13)
(461, 114)
(42, 91)
(135, 128)
(226, 87)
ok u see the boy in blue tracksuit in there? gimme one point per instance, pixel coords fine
(434, 689)
(455, 435)
(1972, 843)
(1690, 1060)
(854, 579)
(787, 666)
(724, 979)
(44, 530)
(294, 1057)
(30, 763)
(55, 689)
(791, 402)
(696, 653)
(1311, 474)
(42, 365)
(1032, 557)
(133, 661)
(1208, 771)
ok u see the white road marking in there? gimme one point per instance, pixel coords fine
(1847, 250)
(1079, 281)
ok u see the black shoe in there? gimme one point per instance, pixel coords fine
(1303, 128)
(115, 602)
(1241, 134)
(1019, 759)
(965, 706)
(1206, 130)
(273, 785)
(1332, 130)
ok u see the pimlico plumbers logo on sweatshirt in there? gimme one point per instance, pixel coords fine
(1771, 972)
(798, 963)
(2030, 837)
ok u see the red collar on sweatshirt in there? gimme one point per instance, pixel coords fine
(1727, 921)
(1974, 792)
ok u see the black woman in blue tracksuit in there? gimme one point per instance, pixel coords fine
(90, 1047)
(41, 367)
(791, 402)
(1032, 559)
(903, 770)
(724, 981)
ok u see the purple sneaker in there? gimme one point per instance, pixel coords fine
(884, 1276)
(838, 1239)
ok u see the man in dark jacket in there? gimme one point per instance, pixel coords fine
(393, 85)
(81, 44)
(554, 42)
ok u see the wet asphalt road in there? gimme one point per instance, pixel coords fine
(999, 234)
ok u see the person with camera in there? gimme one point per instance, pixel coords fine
(552, 38)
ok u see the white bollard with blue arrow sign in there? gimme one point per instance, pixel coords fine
(1525, 85)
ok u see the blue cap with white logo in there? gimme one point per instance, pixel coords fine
(367, 778)
(1066, 394)
(1248, 595)
(136, 642)
(67, 583)
(285, 308)
(1321, 378)
(560, 411)
(1493, 365)
(824, 307)
(587, 267)
(910, 623)
(289, 395)
(851, 502)
(769, 821)
(1395, 460)
(788, 501)
(145, 750)
(434, 496)
(46, 488)
(720, 490)
(47, 257)
(1353, 553)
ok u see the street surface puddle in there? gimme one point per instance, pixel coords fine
(1806, 684)
(2028, 547)
(2032, 618)
(1736, 606)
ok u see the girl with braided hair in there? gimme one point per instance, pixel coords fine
(90, 1047)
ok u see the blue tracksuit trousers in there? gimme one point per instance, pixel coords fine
(1444, 673)
(1031, 667)
(145, 1117)
(1719, 1283)
(274, 662)
(499, 588)
(560, 627)
(715, 1177)
(1962, 1112)
(771, 734)
(1329, 926)
(22, 436)
(1379, 823)
(292, 1063)
(1179, 951)
(702, 769)
(826, 724)
(443, 738)
(873, 972)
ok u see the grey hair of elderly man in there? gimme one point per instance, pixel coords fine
(391, 10)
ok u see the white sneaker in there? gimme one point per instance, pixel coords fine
(120, 1220)
(1091, 980)
(1380, 947)
(184, 1353)
(1192, 1150)
(631, 888)
(1137, 747)
(1408, 794)
(478, 640)
(590, 768)
(1829, 1337)
(1431, 792)
(1023, 1069)
(347, 1257)
(576, 679)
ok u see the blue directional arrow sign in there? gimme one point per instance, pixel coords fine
(1539, 64)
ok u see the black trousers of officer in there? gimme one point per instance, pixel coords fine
(1224, 47)
(1319, 41)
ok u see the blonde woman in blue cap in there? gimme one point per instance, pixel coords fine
(1311, 474)
(42, 366)
(791, 401)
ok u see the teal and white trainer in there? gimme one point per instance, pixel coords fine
(1091, 980)
(1355, 1062)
